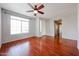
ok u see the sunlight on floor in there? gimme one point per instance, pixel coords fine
(20, 50)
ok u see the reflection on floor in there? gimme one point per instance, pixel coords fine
(40, 46)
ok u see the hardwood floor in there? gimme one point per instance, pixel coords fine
(40, 46)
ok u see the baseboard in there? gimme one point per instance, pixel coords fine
(29, 37)
(17, 39)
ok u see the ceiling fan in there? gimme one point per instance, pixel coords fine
(36, 9)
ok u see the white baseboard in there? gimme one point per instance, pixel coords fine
(15, 39)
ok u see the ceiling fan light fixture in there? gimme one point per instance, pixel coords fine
(35, 11)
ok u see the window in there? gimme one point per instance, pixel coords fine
(41, 26)
(19, 25)
(15, 26)
(25, 27)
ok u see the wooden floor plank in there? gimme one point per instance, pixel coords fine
(40, 46)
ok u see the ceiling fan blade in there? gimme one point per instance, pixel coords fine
(40, 7)
(35, 7)
(40, 12)
(30, 11)
(30, 5)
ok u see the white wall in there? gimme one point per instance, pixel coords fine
(78, 26)
(0, 27)
(69, 25)
(7, 37)
(50, 27)
(37, 26)
(43, 26)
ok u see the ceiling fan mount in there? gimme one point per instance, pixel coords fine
(36, 9)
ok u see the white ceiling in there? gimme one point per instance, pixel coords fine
(50, 9)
